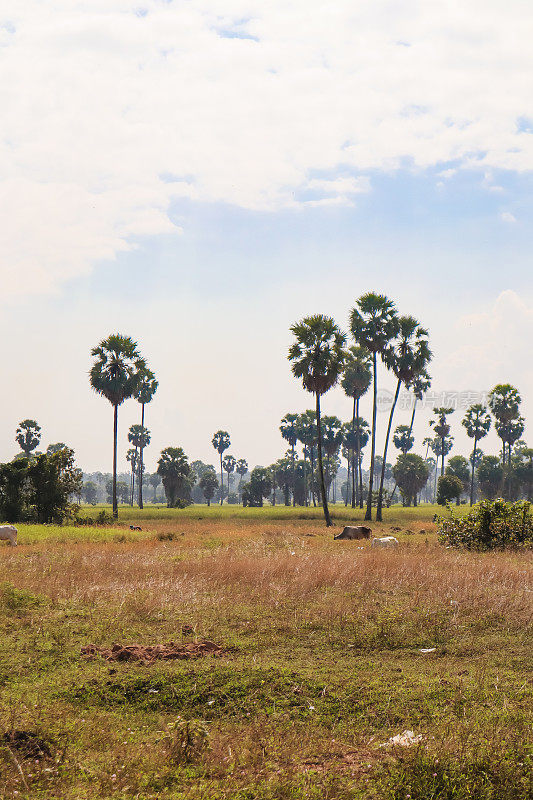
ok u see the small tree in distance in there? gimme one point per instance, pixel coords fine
(208, 484)
(28, 436)
(221, 442)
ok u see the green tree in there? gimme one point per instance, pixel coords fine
(228, 463)
(55, 448)
(221, 442)
(402, 439)
(442, 430)
(28, 436)
(90, 493)
(144, 395)
(477, 423)
(116, 375)
(317, 357)
(259, 486)
(411, 474)
(208, 484)
(154, 481)
(241, 468)
(373, 323)
(132, 459)
(356, 382)
(524, 471)
(459, 467)
(504, 402)
(307, 436)
(407, 356)
(449, 487)
(139, 437)
(332, 438)
(175, 471)
(490, 476)
(289, 431)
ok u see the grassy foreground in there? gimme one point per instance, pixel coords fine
(322, 661)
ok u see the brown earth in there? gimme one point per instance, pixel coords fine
(149, 653)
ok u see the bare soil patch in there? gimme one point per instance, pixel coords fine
(147, 654)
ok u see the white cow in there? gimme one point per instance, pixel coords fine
(385, 541)
(8, 533)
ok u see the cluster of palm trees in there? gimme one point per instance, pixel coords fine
(119, 373)
(228, 464)
(320, 358)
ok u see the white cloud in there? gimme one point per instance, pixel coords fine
(101, 100)
(506, 216)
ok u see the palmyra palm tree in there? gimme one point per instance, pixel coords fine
(355, 382)
(221, 442)
(229, 462)
(373, 323)
(116, 375)
(241, 468)
(289, 431)
(407, 356)
(145, 392)
(477, 422)
(132, 457)
(28, 436)
(442, 428)
(139, 437)
(307, 436)
(317, 357)
(504, 402)
(419, 387)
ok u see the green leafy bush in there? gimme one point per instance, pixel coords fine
(490, 525)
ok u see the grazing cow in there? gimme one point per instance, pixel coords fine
(385, 541)
(8, 533)
(355, 532)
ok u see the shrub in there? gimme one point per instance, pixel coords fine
(490, 525)
(187, 739)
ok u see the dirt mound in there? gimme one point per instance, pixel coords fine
(27, 744)
(148, 653)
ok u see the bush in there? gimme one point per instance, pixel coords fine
(449, 487)
(490, 525)
(187, 740)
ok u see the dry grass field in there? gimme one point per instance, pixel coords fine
(321, 664)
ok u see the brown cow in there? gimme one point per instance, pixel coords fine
(355, 532)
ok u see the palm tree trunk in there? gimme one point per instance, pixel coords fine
(221, 482)
(305, 479)
(413, 417)
(442, 457)
(368, 515)
(354, 480)
(379, 510)
(312, 459)
(327, 517)
(141, 460)
(473, 472)
(293, 477)
(347, 498)
(115, 435)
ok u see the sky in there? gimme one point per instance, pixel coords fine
(200, 175)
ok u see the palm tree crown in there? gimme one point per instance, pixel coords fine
(117, 371)
(317, 355)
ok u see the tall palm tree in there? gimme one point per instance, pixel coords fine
(317, 358)
(289, 431)
(442, 428)
(229, 462)
(221, 442)
(504, 402)
(131, 458)
(407, 356)
(332, 437)
(419, 387)
(116, 375)
(307, 435)
(477, 422)
(355, 382)
(373, 323)
(145, 392)
(241, 468)
(139, 437)
(28, 436)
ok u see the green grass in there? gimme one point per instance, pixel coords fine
(323, 664)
